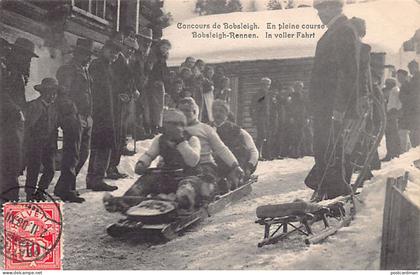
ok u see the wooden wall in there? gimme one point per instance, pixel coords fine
(401, 229)
(249, 74)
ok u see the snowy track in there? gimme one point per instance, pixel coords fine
(229, 239)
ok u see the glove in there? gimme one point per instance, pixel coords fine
(140, 168)
(249, 169)
(237, 172)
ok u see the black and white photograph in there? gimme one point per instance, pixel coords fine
(218, 135)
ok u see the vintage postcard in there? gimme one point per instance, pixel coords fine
(209, 135)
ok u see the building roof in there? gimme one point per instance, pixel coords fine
(389, 23)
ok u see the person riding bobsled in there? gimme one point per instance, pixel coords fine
(210, 144)
(176, 177)
(238, 140)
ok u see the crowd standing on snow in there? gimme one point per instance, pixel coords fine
(90, 101)
(187, 114)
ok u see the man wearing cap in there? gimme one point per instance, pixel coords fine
(124, 91)
(41, 139)
(333, 94)
(15, 71)
(178, 151)
(104, 132)
(236, 139)
(74, 104)
(211, 146)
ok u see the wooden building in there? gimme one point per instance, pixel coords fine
(55, 25)
(245, 81)
(246, 61)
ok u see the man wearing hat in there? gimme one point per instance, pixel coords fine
(74, 104)
(124, 91)
(41, 139)
(236, 139)
(333, 93)
(15, 78)
(142, 68)
(104, 132)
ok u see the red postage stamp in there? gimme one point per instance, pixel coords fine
(32, 236)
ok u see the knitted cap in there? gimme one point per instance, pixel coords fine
(173, 115)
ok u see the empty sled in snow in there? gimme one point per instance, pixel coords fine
(281, 220)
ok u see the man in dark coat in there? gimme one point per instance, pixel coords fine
(74, 103)
(158, 84)
(259, 110)
(142, 69)
(333, 95)
(104, 130)
(15, 74)
(124, 91)
(295, 113)
(41, 139)
(412, 111)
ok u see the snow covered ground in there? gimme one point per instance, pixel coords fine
(228, 240)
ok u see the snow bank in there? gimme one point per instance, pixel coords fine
(358, 246)
(388, 26)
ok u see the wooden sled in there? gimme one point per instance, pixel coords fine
(299, 217)
(130, 227)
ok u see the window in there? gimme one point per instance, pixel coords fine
(100, 10)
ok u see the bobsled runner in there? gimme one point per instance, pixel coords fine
(158, 219)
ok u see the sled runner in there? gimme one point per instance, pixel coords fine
(299, 216)
(157, 219)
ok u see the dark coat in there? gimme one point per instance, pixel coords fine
(9, 108)
(41, 123)
(103, 129)
(335, 72)
(76, 97)
(259, 108)
(159, 72)
(142, 69)
(410, 99)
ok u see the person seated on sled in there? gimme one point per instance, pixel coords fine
(179, 153)
(210, 144)
(236, 139)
